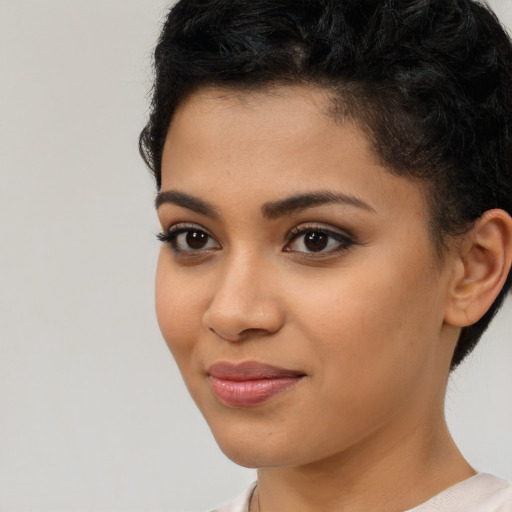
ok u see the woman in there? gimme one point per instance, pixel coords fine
(335, 191)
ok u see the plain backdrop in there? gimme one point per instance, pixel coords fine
(93, 414)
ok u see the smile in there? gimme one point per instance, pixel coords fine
(249, 384)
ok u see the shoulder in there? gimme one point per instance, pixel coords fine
(240, 503)
(481, 493)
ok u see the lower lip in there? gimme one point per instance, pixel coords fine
(250, 392)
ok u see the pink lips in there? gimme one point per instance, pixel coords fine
(250, 383)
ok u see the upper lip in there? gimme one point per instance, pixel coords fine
(249, 370)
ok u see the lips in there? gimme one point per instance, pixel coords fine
(249, 383)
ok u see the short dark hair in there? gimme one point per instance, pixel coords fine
(429, 81)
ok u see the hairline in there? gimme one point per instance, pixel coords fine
(337, 111)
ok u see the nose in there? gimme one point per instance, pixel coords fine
(244, 303)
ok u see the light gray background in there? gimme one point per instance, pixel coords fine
(93, 414)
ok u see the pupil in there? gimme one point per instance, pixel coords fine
(196, 239)
(316, 241)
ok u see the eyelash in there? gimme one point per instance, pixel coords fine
(344, 242)
(171, 237)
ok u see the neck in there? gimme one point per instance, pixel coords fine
(378, 475)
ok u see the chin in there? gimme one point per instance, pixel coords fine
(255, 458)
(244, 458)
(257, 449)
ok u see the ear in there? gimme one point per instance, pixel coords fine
(482, 265)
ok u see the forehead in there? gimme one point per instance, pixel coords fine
(275, 142)
(277, 115)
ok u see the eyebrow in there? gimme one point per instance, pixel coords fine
(186, 201)
(272, 209)
(296, 203)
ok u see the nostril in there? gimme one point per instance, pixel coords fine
(240, 336)
(253, 332)
(227, 336)
(236, 315)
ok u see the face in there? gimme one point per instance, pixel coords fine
(297, 286)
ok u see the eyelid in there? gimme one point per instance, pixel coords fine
(340, 238)
(319, 226)
(344, 239)
(177, 226)
(170, 234)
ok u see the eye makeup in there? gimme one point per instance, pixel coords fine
(317, 240)
(186, 238)
(314, 240)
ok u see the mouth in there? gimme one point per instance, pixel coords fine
(250, 383)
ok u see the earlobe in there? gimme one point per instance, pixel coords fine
(482, 266)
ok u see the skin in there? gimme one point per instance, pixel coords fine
(366, 324)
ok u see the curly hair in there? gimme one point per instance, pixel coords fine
(429, 81)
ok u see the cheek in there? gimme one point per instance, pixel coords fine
(374, 323)
(370, 352)
(178, 309)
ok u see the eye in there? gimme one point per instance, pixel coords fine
(188, 238)
(319, 240)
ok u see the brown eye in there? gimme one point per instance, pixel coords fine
(189, 239)
(196, 239)
(316, 241)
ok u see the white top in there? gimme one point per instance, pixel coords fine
(480, 493)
